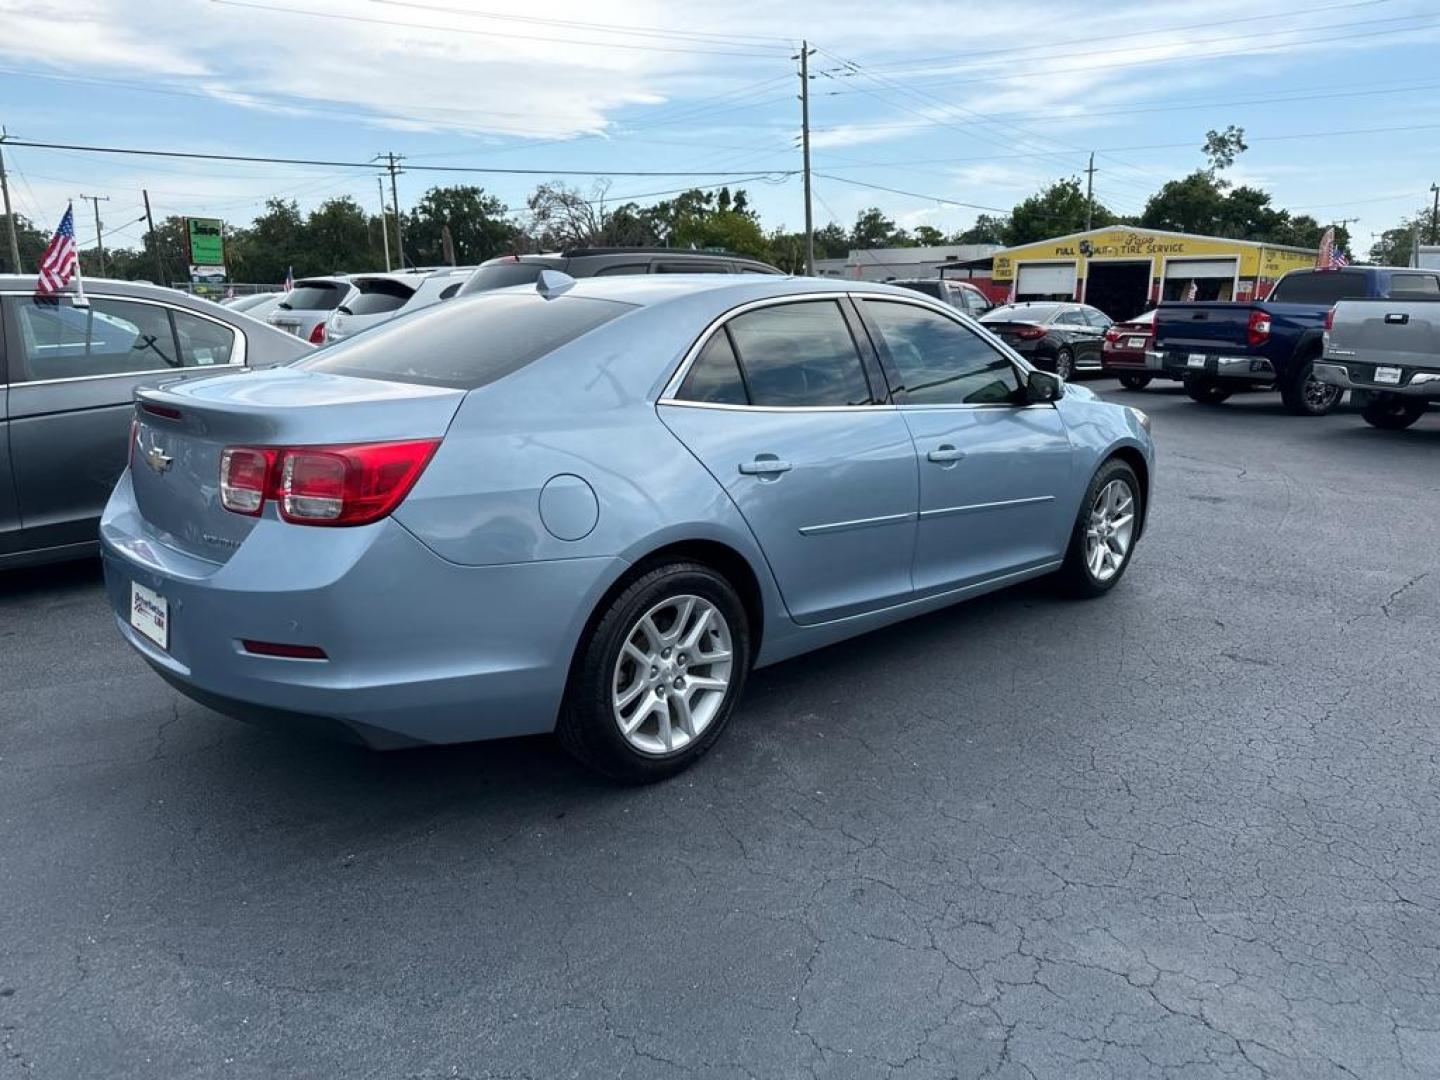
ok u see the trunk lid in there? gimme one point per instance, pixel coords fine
(182, 429)
(1399, 333)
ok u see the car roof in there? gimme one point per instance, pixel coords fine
(648, 290)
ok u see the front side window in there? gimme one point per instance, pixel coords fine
(715, 376)
(108, 337)
(938, 361)
(800, 355)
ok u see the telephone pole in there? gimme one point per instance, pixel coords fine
(805, 155)
(154, 240)
(96, 200)
(384, 225)
(1090, 192)
(9, 213)
(1434, 220)
(391, 164)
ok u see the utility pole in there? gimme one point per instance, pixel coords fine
(1090, 192)
(9, 214)
(384, 225)
(154, 240)
(1434, 219)
(96, 200)
(805, 155)
(391, 164)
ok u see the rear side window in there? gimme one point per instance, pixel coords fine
(623, 268)
(798, 355)
(1070, 318)
(697, 267)
(502, 275)
(715, 375)
(203, 343)
(929, 288)
(1415, 283)
(1319, 287)
(379, 297)
(466, 344)
(313, 296)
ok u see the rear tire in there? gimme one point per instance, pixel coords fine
(1392, 413)
(675, 705)
(1206, 389)
(1100, 549)
(1305, 395)
(1131, 381)
(1065, 364)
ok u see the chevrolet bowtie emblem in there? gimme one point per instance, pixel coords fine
(157, 459)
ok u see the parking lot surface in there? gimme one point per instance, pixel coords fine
(1187, 830)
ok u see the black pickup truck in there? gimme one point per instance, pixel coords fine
(1216, 348)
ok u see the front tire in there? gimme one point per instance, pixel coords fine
(1392, 413)
(1131, 381)
(1065, 364)
(1105, 532)
(1305, 395)
(656, 680)
(1206, 389)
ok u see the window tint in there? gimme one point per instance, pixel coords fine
(800, 354)
(938, 361)
(109, 337)
(502, 274)
(311, 296)
(715, 375)
(1319, 287)
(203, 343)
(751, 268)
(1414, 283)
(696, 267)
(623, 268)
(379, 296)
(466, 344)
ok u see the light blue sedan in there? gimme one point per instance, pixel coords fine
(593, 507)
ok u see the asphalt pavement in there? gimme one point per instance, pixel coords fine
(1191, 829)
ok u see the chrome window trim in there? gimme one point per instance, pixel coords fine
(242, 342)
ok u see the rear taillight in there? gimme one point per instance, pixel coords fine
(1112, 335)
(1030, 333)
(317, 336)
(1330, 319)
(1257, 331)
(323, 485)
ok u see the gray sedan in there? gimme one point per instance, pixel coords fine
(68, 376)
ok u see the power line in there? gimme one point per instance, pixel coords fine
(912, 194)
(344, 17)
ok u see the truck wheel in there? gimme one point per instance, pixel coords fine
(1305, 395)
(1206, 389)
(1130, 381)
(1392, 413)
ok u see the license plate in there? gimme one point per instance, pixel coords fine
(1389, 375)
(1135, 343)
(1196, 359)
(150, 614)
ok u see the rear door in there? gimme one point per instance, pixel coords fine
(994, 469)
(778, 406)
(9, 506)
(73, 375)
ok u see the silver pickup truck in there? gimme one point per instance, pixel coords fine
(1387, 353)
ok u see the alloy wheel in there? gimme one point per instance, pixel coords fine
(1320, 396)
(1110, 530)
(672, 674)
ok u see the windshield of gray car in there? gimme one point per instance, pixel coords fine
(466, 343)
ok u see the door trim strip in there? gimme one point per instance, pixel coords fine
(975, 508)
(860, 523)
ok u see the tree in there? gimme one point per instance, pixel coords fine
(1055, 210)
(478, 226)
(872, 229)
(1195, 204)
(274, 242)
(928, 236)
(988, 229)
(338, 238)
(1223, 147)
(562, 217)
(31, 241)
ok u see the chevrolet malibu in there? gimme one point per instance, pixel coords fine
(593, 507)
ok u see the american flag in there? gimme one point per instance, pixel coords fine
(1193, 291)
(1330, 257)
(59, 263)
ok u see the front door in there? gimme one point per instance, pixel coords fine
(778, 407)
(993, 468)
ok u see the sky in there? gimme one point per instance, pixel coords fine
(932, 110)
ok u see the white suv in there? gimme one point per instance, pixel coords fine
(379, 298)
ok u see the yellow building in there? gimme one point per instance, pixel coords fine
(1124, 271)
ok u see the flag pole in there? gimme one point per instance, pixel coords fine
(80, 298)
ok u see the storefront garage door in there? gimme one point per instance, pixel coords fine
(1046, 280)
(1199, 268)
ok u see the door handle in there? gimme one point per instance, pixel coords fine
(945, 453)
(765, 465)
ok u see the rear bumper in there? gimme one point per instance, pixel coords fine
(420, 650)
(1177, 365)
(1424, 385)
(1148, 362)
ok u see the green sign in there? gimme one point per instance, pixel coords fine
(207, 245)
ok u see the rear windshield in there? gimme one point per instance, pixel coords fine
(1319, 287)
(466, 343)
(313, 296)
(499, 275)
(1033, 313)
(379, 296)
(929, 288)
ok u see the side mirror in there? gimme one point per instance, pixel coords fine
(1042, 386)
